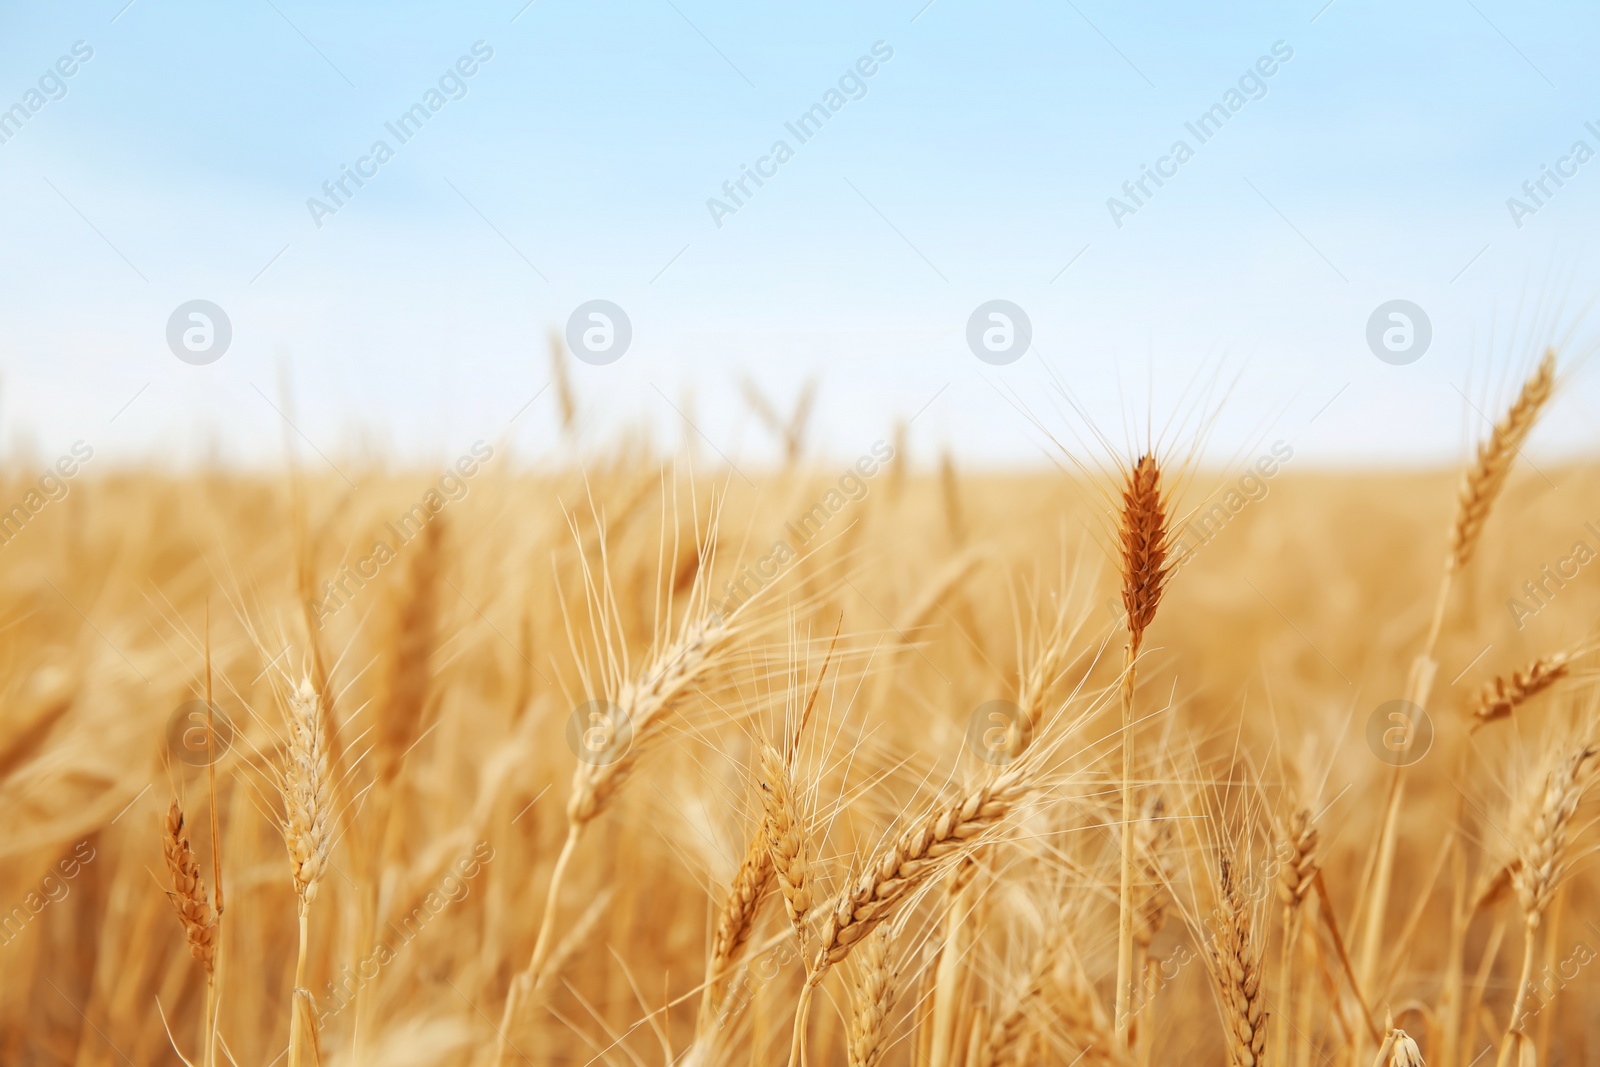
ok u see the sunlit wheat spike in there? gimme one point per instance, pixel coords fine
(1145, 541)
(784, 829)
(872, 992)
(1487, 476)
(927, 848)
(1543, 826)
(307, 792)
(646, 702)
(1298, 855)
(1506, 693)
(188, 892)
(736, 919)
(1235, 968)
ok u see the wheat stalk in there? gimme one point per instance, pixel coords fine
(1480, 487)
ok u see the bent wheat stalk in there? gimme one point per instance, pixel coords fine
(1480, 487)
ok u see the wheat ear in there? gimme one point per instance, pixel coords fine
(1487, 476)
(872, 999)
(1297, 873)
(307, 800)
(927, 848)
(1507, 693)
(736, 921)
(784, 829)
(1544, 822)
(1399, 1050)
(1235, 969)
(188, 892)
(1145, 539)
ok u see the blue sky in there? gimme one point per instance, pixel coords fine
(977, 165)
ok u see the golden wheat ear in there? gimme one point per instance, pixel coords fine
(1481, 484)
(188, 892)
(872, 991)
(1507, 693)
(1144, 537)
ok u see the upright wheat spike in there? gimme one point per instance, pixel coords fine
(1487, 476)
(784, 829)
(1235, 968)
(1543, 824)
(1297, 874)
(195, 912)
(872, 999)
(307, 802)
(645, 703)
(1145, 538)
(188, 892)
(1506, 694)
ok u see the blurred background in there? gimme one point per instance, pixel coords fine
(1390, 154)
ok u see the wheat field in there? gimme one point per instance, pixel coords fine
(643, 760)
